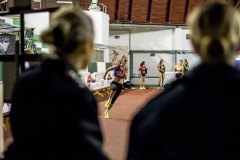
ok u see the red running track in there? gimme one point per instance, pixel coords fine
(116, 129)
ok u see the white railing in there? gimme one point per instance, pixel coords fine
(92, 6)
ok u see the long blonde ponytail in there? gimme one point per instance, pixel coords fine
(215, 30)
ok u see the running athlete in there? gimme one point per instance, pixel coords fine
(143, 72)
(161, 69)
(120, 74)
(179, 69)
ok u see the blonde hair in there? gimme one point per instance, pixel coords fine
(69, 28)
(215, 30)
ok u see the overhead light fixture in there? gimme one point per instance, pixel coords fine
(152, 54)
(4, 1)
(66, 2)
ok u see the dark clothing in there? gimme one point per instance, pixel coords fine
(197, 118)
(186, 66)
(117, 87)
(143, 74)
(127, 85)
(161, 68)
(54, 116)
(178, 75)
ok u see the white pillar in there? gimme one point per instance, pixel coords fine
(177, 39)
(106, 55)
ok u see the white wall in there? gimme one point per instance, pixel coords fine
(186, 42)
(39, 21)
(122, 41)
(101, 29)
(7, 20)
(101, 66)
(143, 39)
(106, 55)
(152, 40)
(164, 39)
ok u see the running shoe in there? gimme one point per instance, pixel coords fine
(107, 104)
(106, 115)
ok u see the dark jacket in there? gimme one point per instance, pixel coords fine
(54, 116)
(197, 118)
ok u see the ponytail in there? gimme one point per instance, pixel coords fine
(216, 36)
(216, 48)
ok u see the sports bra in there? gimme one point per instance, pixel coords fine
(162, 68)
(119, 72)
(179, 68)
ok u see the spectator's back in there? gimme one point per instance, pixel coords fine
(197, 118)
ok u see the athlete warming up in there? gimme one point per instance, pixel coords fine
(143, 72)
(161, 69)
(179, 69)
(120, 74)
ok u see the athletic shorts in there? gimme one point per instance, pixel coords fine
(143, 74)
(116, 86)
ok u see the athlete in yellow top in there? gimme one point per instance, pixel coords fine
(179, 69)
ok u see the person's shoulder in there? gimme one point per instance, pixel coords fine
(148, 121)
(77, 84)
(161, 104)
(29, 75)
(165, 98)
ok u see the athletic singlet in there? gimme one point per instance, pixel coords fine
(119, 72)
(162, 68)
(179, 68)
(143, 69)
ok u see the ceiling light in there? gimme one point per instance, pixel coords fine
(66, 2)
(4, 1)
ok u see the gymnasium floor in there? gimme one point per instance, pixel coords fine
(116, 129)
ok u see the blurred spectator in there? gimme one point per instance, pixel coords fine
(197, 118)
(54, 116)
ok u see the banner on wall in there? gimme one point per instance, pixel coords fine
(95, 81)
(7, 44)
(116, 53)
